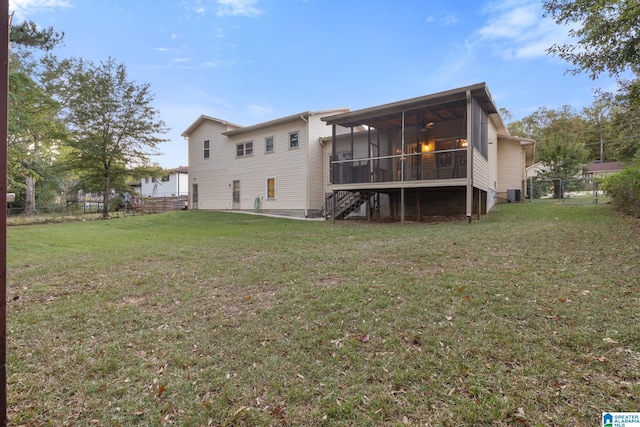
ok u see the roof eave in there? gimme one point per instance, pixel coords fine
(300, 116)
(204, 118)
(458, 94)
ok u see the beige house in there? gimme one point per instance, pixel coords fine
(602, 169)
(447, 153)
(276, 166)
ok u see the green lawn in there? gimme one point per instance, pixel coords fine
(529, 317)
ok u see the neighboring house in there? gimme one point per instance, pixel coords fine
(442, 154)
(535, 169)
(174, 183)
(602, 169)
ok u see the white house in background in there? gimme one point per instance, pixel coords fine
(447, 153)
(174, 183)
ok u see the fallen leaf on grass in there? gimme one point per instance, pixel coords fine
(276, 411)
(609, 340)
(161, 389)
(520, 416)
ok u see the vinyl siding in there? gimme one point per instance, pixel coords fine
(317, 161)
(510, 165)
(297, 171)
(208, 172)
(480, 171)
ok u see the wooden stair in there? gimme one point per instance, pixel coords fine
(345, 203)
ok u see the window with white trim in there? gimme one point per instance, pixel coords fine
(244, 149)
(205, 151)
(293, 140)
(271, 188)
(268, 144)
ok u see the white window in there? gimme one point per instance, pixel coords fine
(268, 144)
(293, 140)
(271, 188)
(206, 149)
(244, 149)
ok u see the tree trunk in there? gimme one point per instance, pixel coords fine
(105, 198)
(557, 189)
(30, 197)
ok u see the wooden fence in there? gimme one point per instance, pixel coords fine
(163, 204)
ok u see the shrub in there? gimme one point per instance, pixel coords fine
(624, 189)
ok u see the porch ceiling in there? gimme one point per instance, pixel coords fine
(438, 107)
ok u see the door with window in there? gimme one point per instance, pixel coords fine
(236, 195)
(194, 196)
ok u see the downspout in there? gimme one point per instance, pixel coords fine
(334, 173)
(402, 159)
(470, 143)
(306, 201)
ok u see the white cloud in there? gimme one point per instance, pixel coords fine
(518, 29)
(238, 8)
(259, 112)
(449, 20)
(23, 8)
(216, 64)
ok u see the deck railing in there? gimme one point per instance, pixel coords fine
(443, 164)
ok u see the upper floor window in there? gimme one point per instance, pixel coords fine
(268, 144)
(165, 178)
(244, 149)
(205, 153)
(293, 140)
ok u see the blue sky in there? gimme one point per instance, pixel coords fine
(248, 61)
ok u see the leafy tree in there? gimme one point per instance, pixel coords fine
(625, 145)
(624, 189)
(34, 130)
(607, 33)
(113, 126)
(544, 122)
(34, 137)
(599, 132)
(27, 34)
(560, 136)
(563, 157)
